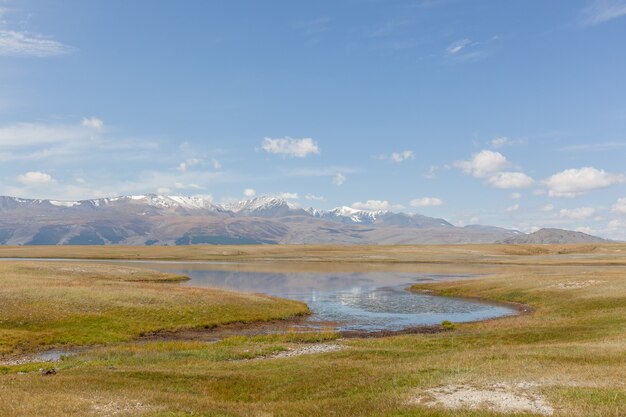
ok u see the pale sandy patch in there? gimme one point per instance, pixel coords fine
(111, 408)
(574, 285)
(500, 397)
(305, 350)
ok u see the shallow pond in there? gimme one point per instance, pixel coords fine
(364, 301)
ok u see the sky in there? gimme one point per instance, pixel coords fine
(510, 114)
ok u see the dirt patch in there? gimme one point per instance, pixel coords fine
(500, 397)
(110, 408)
(305, 350)
(574, 285)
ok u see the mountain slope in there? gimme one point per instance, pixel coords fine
(554, 236)
(176, 220)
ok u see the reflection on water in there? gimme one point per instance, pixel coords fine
(353, 301)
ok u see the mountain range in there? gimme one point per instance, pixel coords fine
(177, 220)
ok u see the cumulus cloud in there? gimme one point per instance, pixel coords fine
(249, 192)
(402, 156)
(339, 179)
(574, 182)
(600, 11)
(426, 202)
(19, 43)
(511, 180)
(35, 178)
(93, 123)
(548, 207)
(619, 206)
(371, 205)
(299, 148)
(512, 208)
(483, 164)
(580, 213)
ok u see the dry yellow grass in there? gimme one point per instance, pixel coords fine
(571, 353)
(579, 254)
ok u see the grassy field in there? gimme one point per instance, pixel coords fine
(369, 256)
(45, 305)
(567, 358)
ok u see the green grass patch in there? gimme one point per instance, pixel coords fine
(71, 304)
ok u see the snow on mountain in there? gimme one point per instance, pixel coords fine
(151, 200)
(153, 219)
(64, 203)
(173, 202)
(264, 207)
(348, 214)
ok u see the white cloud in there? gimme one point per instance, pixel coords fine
(586, 229)
(216, 164)
(291, 147)
(617, 224)
(187, 186)
(614, 229)
(432, 172)
(16, 43)
(371, 205)
(483, 164)
(574, 182)
(21, 135)
(595, 147)
(314, 197)
(512, 208)
(515, 196)
(600, 11)
(511, 180)
(249, 193)
(457, 46)
(35, 178)
(339, 179)
(548, 207)
(426, 202)
(93, 123)
(402, 156)
(619, 206)
(184, 166)
(288, 196)
(499, 142)
(502, 141)
(580, 213)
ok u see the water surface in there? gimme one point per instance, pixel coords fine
(365, 301)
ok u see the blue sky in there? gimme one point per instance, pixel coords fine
(504, 113)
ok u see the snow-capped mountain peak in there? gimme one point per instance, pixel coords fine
(354, 215)
(262, 206)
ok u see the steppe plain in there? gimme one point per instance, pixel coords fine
(566, 356)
